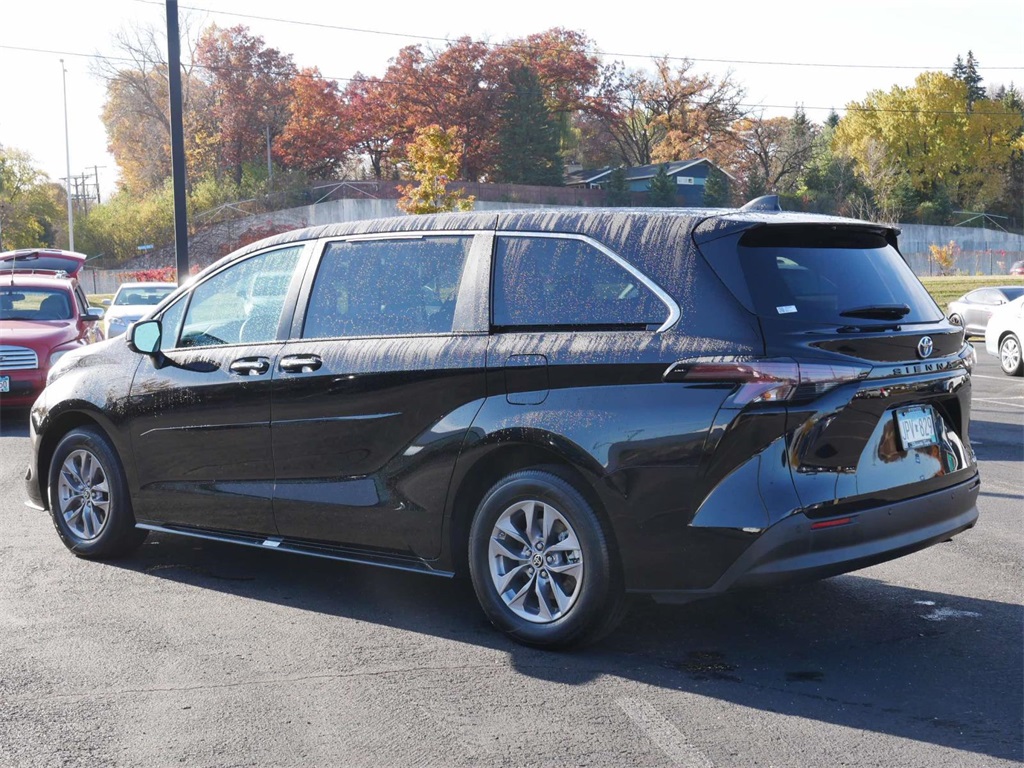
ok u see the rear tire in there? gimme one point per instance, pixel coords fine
(89, 500)
(541, 565)
(1010, 355)
(955, 319)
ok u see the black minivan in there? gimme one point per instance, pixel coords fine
(570, 406)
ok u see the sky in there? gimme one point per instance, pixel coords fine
(821, 55)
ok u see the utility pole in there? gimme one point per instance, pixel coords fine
(177, 140)
(67, 151)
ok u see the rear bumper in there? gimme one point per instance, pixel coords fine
(792, 551)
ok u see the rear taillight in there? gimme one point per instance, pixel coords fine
(969, 357)
(765, 381)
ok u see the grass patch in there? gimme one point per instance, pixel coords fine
(96, 299)
(946, 289)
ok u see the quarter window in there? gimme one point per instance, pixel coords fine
(241, 304)
(387, 287)
(560, 282)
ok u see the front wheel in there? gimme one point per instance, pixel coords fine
(541, 564)
(1010, 356)
(89, 497)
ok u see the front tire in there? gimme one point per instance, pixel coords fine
(89, 499)
(1010, 355)
(541, 564)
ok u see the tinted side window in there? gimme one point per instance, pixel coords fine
(569, 283)
(387, 287)
(241, 304)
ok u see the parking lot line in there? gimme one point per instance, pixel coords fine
(666, 736)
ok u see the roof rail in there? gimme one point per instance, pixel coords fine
(763, 203)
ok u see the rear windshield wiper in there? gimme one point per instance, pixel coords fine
(878, 312)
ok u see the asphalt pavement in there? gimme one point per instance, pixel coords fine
(193, 653)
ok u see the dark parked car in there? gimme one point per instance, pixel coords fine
(568, 406)
(973, 309)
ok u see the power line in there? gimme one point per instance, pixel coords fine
(744, 105)
(358, 30)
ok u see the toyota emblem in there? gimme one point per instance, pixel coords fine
(925, 346)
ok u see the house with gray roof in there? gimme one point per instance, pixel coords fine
(690, 177)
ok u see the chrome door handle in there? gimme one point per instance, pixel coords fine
(250, 366)
(300, 363)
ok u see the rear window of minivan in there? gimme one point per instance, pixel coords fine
(821, 275)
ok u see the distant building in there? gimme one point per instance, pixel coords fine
(690, 177)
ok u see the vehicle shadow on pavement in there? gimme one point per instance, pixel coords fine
(850, 651)
(13, 422)
(1002, 441)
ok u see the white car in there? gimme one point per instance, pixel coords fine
(131, 302)
(1003, 336)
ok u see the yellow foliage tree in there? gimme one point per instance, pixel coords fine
(945, 256)
(931, 135)
(434, 155)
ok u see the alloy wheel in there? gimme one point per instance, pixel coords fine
(83, 494)
(536, 562)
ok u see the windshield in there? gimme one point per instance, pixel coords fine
(832, 281)
(141, 296)
(17, 303)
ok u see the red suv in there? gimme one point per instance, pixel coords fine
(43, 314)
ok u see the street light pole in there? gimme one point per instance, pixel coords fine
(177, 141)
(67, 152)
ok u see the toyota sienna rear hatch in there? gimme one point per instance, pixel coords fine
(875, 381)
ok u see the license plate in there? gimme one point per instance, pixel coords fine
(916, 425)
(5, 383)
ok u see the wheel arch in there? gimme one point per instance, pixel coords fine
(486, 465)
(55, 431)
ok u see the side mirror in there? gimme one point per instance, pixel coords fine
(105, 302)
(145, 337)
(92, 314)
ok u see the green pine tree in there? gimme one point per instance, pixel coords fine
(662, 193)
(528, 137)
(975, 91)
(716, 189)
(618, 190)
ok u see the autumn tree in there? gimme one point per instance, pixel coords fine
(434, 158)
(252, 87)
(376, 121)
(30, 206)
(456, 88)
(135, 111)
(672, 114)
(926, 134)
(527, 135)
(773, 152)
(315, 138)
